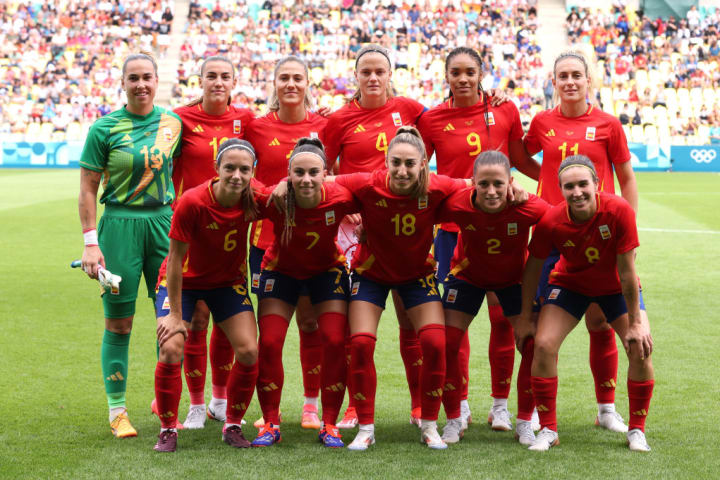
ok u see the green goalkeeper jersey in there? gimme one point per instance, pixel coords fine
(135, 155)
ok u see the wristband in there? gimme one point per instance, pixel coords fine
(90, 237)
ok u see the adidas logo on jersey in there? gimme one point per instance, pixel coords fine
(470, 227)
(381, 203)
(213, 226)
(449, 127)
(198, 129)
(359, 129)
(340, 291)
(127, 138)
(569, 243)
(550, 133)
(275, 142)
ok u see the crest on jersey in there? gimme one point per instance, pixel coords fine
(452, 295)
(313, 134)
(422, 202)
(237, 127)
(269, 284)
(512, 229)
(590, 133)
(605, 232)
(490, 119)
(330, 217)
(167, 134)
(397, 121)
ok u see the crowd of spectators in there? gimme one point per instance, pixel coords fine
(661, 77)
(60, 60)
(327, 36)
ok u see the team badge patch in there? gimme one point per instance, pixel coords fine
(256, 280)
(555, 293)
(330, 217)
(166, 304)
(237, 127)
(490, 119)
(605, 232)
(397, 121)
(422, 202)
(512, 229)
(355, 288)
(313, 134)
(452, 295)
(269, 284)
(167, 134)
(590, 133)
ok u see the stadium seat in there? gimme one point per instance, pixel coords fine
(651, 134)
(637, 133)
(33, 131)
(703, 134)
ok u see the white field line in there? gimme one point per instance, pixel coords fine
(674, 230)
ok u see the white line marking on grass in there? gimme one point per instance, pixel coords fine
(673, 230)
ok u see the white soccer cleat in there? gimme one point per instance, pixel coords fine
(636, 441)
(196, 417)
(465, 413)
(454, 430)
(430, 436)
(544, 440)
(350, 419)
(535, 420)
(499, 418)
(362, 441)
(524, 432)
(216, 409)
(612, 421)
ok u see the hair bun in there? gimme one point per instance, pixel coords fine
(408, 129)
(314, 141)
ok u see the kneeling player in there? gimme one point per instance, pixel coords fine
(304, 258)
(596, 235)
(207, 262)
(489, 257)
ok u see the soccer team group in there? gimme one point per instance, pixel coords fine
(319, 191)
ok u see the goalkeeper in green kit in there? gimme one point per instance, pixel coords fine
(131, 151)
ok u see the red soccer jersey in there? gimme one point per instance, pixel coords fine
(595, 134)
(458, 135)
(399, 228)
(274, 140)
(202, 135)
(360, 136)
(588, 251)
(492, 247)
(312, 248)
(216, 235)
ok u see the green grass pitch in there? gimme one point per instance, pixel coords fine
(53, 414)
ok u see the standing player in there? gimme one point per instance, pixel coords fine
(132, 151)
(304, 258)
(207, 124)
(457, 131)
(577, 127)
(274, 136)
(358, 136)
(489, 256)
(597, 236)
(399, 208)
(207, 262)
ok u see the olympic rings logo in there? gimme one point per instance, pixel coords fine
(703, 156)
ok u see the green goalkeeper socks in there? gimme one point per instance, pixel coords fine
(114, 359)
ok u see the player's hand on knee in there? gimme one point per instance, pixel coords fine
(639, 334)
(523, 330)
(92, 258)
(168, 326)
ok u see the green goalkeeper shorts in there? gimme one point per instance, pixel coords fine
(134, 241)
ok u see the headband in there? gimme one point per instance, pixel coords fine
(235, 145)
(370, 50)
(308, 152)
(572, 165)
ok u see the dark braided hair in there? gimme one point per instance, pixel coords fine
(476, 58)
(249, 205)
(304, 145)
